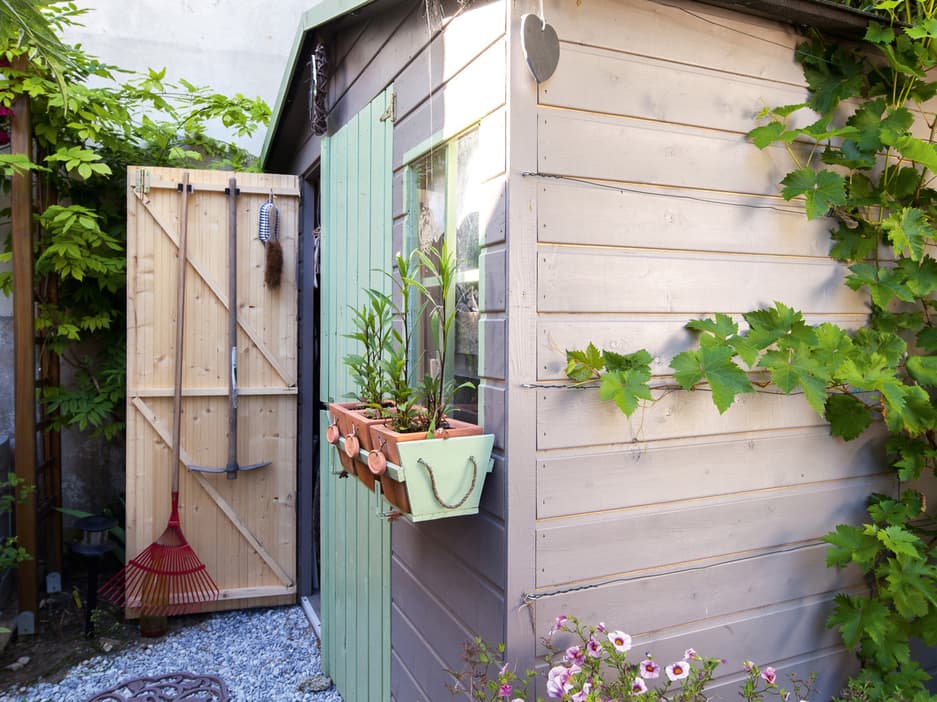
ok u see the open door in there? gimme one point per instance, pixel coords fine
(356, 246)
(244, 529)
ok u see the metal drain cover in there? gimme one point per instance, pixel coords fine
(172, 687)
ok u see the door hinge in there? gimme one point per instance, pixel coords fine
(391, 112)
(143, 181)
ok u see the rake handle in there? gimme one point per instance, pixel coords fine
(180, 328)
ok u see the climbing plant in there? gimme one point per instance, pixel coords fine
(85, 137)
(867, 160)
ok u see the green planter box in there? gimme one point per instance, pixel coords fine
(443, 477)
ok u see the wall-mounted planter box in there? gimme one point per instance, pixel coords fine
(354, 427)
(438, 478)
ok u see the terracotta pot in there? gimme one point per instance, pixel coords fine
(354, 425)
(385, 439)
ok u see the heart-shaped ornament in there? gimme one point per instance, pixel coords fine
(541, 46)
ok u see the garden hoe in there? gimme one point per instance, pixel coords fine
(167, 577)
(232, 468)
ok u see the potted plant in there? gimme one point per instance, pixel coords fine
(351, 420)
(430, 464)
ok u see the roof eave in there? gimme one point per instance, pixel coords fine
(324, 11)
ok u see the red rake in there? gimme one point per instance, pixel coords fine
(167, 578)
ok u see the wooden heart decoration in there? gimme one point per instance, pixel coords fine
(541, 47)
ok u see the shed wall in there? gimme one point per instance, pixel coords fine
(680, 526)
(448, 75)
(447, 579)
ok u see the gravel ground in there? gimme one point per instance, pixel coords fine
(267, 655)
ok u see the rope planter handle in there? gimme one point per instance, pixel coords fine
(432, 482)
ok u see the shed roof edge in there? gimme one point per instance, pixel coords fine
(324, 11)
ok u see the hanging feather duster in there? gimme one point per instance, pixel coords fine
(269, 233)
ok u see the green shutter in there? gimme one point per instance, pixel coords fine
(356, 240)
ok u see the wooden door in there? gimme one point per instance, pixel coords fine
(356, 241)
(243, 529)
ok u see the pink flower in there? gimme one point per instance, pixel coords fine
(505, 690)
(620, 640)
(593, 647)
(559, 681)
(748, 666)
(559, 624)
(583, 694)
(4, 137)
(5, 111)
(574, 655)
(649, 669)
(690, 655)
(677, 671)
(769, 674)
(638, 687)
(601, 628)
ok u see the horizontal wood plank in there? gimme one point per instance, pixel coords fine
(606, 545)
(639, 216)
(465, 594)
(475, 92)
(696, 35)
(706, 592)
(476, 541)
(571, 418)
(612, 82)
(419, 657)
(574, 279)
(594, 146)
(464, 39)
(643, 475)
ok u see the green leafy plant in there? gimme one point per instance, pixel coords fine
(868, 165)
(435, 389)
(406, 413)
(85, 137)
(13, 491)
(476, 681)
(373, 327)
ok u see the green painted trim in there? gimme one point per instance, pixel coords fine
(425, 147)
(324, 11)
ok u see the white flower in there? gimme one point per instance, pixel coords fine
(677, 671)
(620, 640)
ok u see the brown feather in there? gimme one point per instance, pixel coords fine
(274, 268)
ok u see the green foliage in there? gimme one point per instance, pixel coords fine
(13, 491)
(86, 136)
(373, 332)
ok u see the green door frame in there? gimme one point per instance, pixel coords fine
(356, 245)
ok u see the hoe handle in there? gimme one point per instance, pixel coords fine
(180, 328)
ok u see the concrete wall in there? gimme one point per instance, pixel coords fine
(234, 48)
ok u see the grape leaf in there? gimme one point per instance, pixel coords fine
(917, 150)
(847, 416)
(626, 388)
(582, 366)
(639, 360)
(821, 189)
(715, 365)
(851, 544)
(907, 230)
(858, 617)
(923, 369)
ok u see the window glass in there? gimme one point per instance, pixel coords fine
(447, 188)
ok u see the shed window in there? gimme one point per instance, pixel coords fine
(446, 197)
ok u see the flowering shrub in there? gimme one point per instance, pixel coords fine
(474, 682)
(596, 668)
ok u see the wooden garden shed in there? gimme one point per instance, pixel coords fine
(612, 201)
